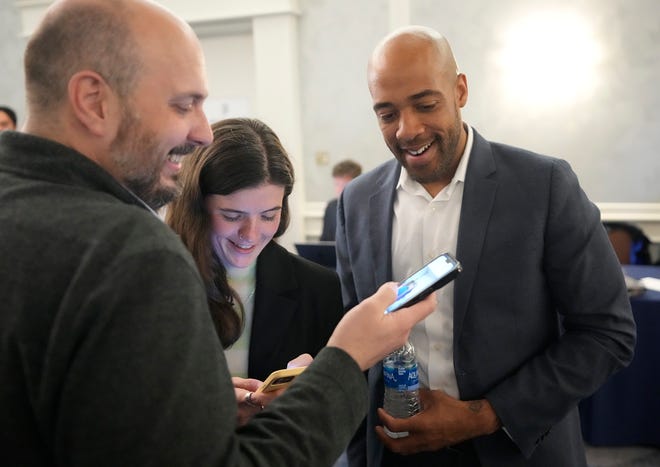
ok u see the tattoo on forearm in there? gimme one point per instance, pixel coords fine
(475, 406)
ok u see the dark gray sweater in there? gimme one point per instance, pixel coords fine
(107, 351)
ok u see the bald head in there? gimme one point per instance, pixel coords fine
(122, 82)
(97, 35)
(413, 44)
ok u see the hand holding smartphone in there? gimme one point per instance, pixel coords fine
(280, 379)
(429, 278)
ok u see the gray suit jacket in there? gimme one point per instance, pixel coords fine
(541, 313)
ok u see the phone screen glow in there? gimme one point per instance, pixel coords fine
(421, 280)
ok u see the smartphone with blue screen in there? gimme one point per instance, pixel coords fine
(431, 277)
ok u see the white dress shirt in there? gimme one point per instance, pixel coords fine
(423, 228)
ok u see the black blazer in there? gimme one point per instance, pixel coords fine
(297, 306)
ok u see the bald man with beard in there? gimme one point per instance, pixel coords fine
(538, 319)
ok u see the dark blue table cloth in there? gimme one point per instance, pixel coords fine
(626, 409)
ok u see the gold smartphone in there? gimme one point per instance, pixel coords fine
(280, 379)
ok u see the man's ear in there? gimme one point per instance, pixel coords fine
(89, 95)
(461, 90)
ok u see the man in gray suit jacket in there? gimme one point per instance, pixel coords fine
(539, 317)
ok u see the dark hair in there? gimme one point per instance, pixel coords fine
(80, 36)
(245, 153)
(346, 168)
(10, 113)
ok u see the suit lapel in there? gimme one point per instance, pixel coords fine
(380, 224)
(478, 198)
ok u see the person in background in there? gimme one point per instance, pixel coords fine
(269, 306)
(630, 243)
(342, 173)
(538, 319)
(7, 118)
(108, 354)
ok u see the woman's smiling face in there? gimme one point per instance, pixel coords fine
(243, 222)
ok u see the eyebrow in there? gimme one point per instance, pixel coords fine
(238, 211)
(195, 96)
(425, 93)
(414, 97)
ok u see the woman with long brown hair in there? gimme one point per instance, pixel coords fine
(269, 306)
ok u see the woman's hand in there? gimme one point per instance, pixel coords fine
(251, 402)
(248, 400)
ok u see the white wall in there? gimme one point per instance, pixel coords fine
(231, 75)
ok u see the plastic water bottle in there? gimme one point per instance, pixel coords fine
(401, 385)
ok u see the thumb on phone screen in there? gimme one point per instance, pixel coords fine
(301, 360)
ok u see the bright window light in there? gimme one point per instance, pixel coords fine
(549, 59)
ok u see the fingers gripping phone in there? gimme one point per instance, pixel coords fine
(280, 378)
(429, 278)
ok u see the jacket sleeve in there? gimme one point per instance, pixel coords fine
(356, 451)
(586, 286)
(147, 383)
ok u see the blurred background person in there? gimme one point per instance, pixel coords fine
(342, 173)
(7, 118)
(630, 243)
(268, 305)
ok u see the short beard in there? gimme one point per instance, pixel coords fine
(144, 181)
(445, 166)
(156, 196)
(153, 196)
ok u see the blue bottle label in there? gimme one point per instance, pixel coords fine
(401, 379)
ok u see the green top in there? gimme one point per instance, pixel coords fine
(244, 282)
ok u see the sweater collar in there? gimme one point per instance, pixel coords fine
(49, 161)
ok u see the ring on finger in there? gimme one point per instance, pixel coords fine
(248, 400)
